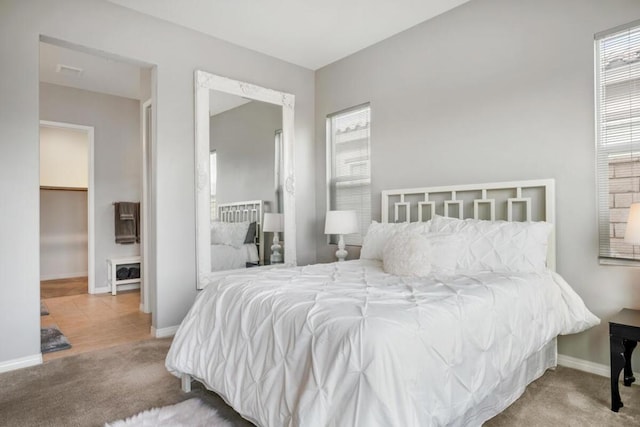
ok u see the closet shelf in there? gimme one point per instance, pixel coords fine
(47, 187)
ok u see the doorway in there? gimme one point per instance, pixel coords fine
(67, 232)
(102, 96)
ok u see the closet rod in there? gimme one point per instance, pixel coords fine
(46, 187)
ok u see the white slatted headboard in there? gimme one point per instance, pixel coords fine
(250, 211)
(532, 200)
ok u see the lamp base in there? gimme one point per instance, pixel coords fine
(341, 253)
(276, 256)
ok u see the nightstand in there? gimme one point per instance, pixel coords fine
(624, 333)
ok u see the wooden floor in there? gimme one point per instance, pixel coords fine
(94, 322)
(63, 287)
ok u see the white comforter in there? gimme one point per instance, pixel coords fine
(347, 344)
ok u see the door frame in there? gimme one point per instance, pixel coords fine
(91, 231)
(145, 299)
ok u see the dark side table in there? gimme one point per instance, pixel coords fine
(624, 334)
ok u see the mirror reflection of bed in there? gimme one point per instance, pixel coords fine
(245, 178)
(237, 238)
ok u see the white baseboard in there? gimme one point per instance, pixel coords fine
(107, 289)
(22, 362)
(63, 276)
(586, 366)
(128, 287)
(164, 332)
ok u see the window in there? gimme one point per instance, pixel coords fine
(213, 174)
(349, 167)
(618, 136)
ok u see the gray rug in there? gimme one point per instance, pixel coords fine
(52, 339)
(44, 310)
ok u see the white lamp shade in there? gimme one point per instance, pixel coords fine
(341, 222)
(632, 233)
(273, 222)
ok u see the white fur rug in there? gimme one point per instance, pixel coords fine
(190, 413)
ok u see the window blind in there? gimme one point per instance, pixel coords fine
(618, 136)
(349, 167)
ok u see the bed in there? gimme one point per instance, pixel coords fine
(237, 236)
(348, 343)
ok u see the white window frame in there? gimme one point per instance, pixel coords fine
(603, 156)
(329, 165)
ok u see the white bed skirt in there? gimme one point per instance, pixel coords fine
(509, 390)
(504, 395)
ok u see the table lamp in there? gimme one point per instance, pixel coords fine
(341, 223)
(274, 222)
(632, 232)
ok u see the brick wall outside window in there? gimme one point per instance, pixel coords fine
(624, 189)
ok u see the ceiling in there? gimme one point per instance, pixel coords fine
(311, 34)
(67, 67)
(306, 33)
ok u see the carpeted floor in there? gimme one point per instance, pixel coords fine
(567, 397)
(93, 388)
(90, 389)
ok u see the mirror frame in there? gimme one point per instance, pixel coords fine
(204, 83)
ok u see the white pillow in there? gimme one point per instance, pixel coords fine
(498, 245)
(447, 248)
(229, 233)
(407, 254)
(418, 254)
(379, 233)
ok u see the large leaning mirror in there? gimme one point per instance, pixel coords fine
(245, 201)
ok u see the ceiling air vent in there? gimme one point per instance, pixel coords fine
(68, 70)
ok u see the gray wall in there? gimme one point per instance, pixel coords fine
(244, 140)
(175, 52)
(63, 234)
(117, 158)
(494, 90)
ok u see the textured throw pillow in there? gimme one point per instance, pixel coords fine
(379, 233)
(407, 254)
(229, 233)
(498, 245)
(418, 254)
